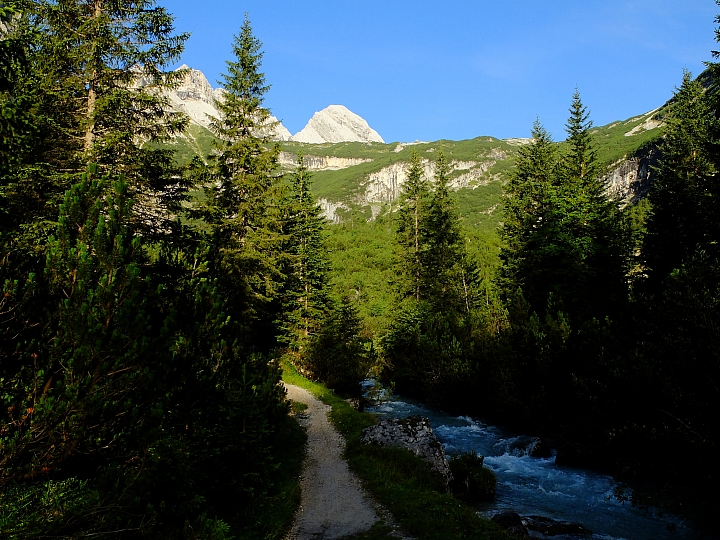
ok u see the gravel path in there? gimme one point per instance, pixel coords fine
(333, 503)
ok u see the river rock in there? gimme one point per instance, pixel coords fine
(530, 446)
(415, 434)
(512, 523)
(551, 527)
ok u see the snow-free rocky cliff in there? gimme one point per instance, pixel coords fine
(196, 98)
(337, 124)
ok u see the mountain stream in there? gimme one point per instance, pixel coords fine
(537, 487)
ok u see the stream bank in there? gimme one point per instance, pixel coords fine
(537, 486)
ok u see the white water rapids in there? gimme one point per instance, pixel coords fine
(536, 486)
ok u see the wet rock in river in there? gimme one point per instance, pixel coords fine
(512, 523)
(530, 446)
(415, 434)
(551, 527)
(546, 527)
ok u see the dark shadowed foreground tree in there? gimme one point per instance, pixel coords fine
(678, 300)
(132, 379)
(683, 217)
(135, 401)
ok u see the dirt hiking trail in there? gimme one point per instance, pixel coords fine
(333, 503)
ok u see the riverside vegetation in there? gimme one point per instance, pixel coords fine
(150, 296)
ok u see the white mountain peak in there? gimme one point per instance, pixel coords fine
(196, 97)
(337, 123)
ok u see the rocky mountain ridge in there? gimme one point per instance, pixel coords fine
(196, 97)
(356, 174)
(373, 177)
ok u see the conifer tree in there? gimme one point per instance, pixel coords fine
(243, 186)
(338, 354)
(410, 223)
(684, 195)
(93, 82)
(441, 279)
(590, 241)
(306, 298)
(17, 128)
(93, 370)
(525, 201)
(107, 62)
(580, 162)
(564, 237)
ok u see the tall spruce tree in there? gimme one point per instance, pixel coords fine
(410, 224)
(306, 298)
(684, 195)
(243, 186)
(526, 201)
(103, 66)
(565, 237)
(93, 81)
(443, 244)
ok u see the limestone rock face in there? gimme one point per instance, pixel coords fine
(630, 179)
(415, 434)
(196, 98)
(329, 210)
(321, 163)
(384, 186)
(337, 124)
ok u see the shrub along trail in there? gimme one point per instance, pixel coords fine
(333, 503)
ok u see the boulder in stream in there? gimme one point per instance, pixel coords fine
(512, 523)
(550, 527)
(415, 434)
(547, 527)
(530, 446)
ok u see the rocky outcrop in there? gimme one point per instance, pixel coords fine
(518, 141)
(321, 163)
(329, 210)
(195, 97)
(551, 527)
(337, 124)
(274, 131)
(530, 446)
(415, 434)
(542, 527)
(647, 125)
(630, 178)
(512, 523)
(384, 186)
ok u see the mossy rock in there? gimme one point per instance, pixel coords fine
(471, 480)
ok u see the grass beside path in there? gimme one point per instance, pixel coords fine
(399, 480)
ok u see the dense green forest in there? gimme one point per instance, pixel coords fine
(151, 292)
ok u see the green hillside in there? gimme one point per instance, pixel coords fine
(485, 160)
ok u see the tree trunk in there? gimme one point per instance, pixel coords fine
(92, 83)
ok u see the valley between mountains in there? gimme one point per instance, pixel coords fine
(502, 337)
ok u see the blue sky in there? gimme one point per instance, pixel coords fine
(458, 69)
